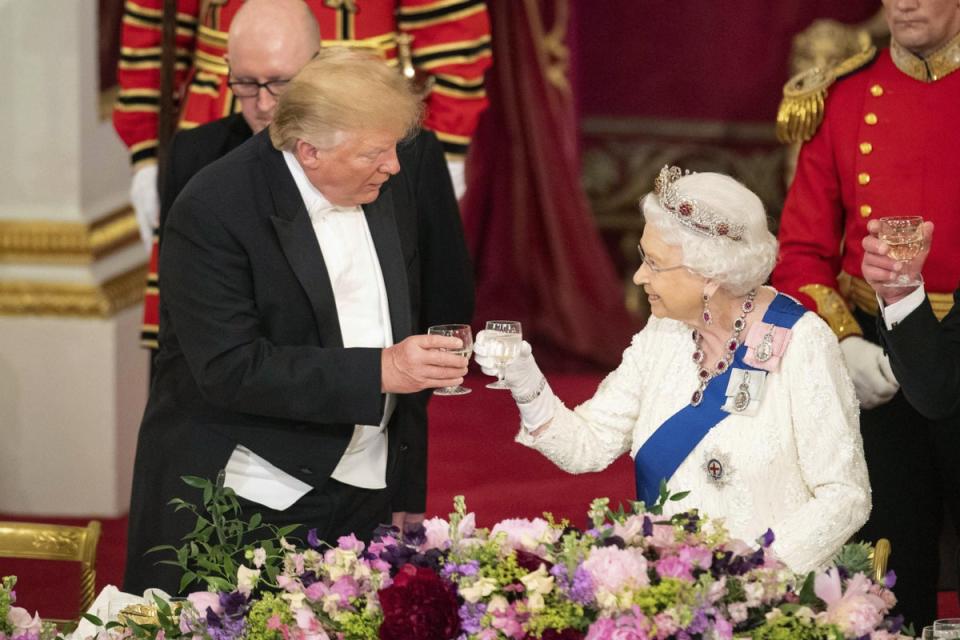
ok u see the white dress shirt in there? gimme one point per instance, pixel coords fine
(893, 314)
(364, 314)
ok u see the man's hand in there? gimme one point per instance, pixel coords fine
(146, 202)
(419, 362)
(870, 371)
(879, 269)
(403, 520)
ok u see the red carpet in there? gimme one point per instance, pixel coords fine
(472, 452)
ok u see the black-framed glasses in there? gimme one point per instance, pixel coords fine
(653, 267)
(250, 89)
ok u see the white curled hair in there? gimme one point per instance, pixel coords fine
(736, 265)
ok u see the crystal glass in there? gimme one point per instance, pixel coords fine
(505, 337)
(946, 628)
(927, 633)
(463, 332)
(904, 238)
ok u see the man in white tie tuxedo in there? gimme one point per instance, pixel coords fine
(299, 271)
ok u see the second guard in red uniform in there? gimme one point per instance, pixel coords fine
(882, 140)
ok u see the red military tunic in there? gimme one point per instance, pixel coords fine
(450, 43)
(887, 146)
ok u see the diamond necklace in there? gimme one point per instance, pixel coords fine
(704, 375)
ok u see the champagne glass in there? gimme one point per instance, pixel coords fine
(505, 336)
(904, 238)
(463, 332)
(946, 628)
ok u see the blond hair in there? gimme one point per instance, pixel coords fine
(341, 91)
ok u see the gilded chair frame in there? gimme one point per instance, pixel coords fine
(39, 541)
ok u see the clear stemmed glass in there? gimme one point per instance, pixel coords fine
(946, 628)
(463, 332)
(904, 237)
(505, 337)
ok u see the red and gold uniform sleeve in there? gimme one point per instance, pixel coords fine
(135, 113)
(451, 43)
(811, 235)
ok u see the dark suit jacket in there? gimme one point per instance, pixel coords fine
(925, 356)
(193, 149)
(250, 346)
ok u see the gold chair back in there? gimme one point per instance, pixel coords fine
(37, 541)
(880, 557)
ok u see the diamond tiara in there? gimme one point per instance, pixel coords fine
(689, 212)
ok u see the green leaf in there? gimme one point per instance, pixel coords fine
(162, 605)
(807, 595)
(677, 497)
(287, 530)
(186, 580)
(89, 617)
(195, 481)
(255, 520)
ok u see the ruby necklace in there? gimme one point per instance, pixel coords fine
(704, 375)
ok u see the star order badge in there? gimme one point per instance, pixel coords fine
(718, 468)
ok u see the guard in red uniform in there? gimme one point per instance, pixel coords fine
(445, 41)
(882, 141)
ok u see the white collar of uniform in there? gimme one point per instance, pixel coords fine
(313, 200)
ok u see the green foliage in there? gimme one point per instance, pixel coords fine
(260, 614)
(786, 627)
(221, 540)
(856, 558)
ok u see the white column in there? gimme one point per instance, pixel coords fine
(73, 380)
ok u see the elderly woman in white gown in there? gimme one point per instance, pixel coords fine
(732, 391)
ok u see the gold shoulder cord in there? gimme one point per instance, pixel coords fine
(801, 110)
(832, 308)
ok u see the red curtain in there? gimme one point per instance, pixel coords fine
(538, 256)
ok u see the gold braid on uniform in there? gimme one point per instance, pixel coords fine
(833, 308)
(801, 110)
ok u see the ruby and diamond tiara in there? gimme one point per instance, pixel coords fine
(689, 212)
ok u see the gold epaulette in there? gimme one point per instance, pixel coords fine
(801, 110)
(834, 309)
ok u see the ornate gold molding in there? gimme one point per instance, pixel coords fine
(67, 242)
(68, 299)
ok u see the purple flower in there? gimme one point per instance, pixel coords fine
(471, 616)
(233, 604)
(312, 539)
(767, 538)
(890, 579)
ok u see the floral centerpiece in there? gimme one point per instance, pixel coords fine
(633, 574)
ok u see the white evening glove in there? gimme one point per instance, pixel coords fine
(146, 202)
(529, 387)
(870, 371)
(458, 177)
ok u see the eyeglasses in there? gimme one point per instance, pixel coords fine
(653, 267)
(251, 89)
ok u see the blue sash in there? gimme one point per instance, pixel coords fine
(665, 450)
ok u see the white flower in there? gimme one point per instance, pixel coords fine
(247, 579)
(259, 557)
(538, 582)
(482, 588)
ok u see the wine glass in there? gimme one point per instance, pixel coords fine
(463, 332)
(946, 628)
(904, 238)
(927, 633)
(505, 336)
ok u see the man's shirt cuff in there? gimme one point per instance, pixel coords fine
(895, 313)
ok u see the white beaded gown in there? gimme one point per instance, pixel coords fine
(796, 467)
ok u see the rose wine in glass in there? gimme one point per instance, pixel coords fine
(463, 332)
(903, 236)
(505, 336)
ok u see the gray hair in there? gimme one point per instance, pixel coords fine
(343, 90)
(736, 265)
